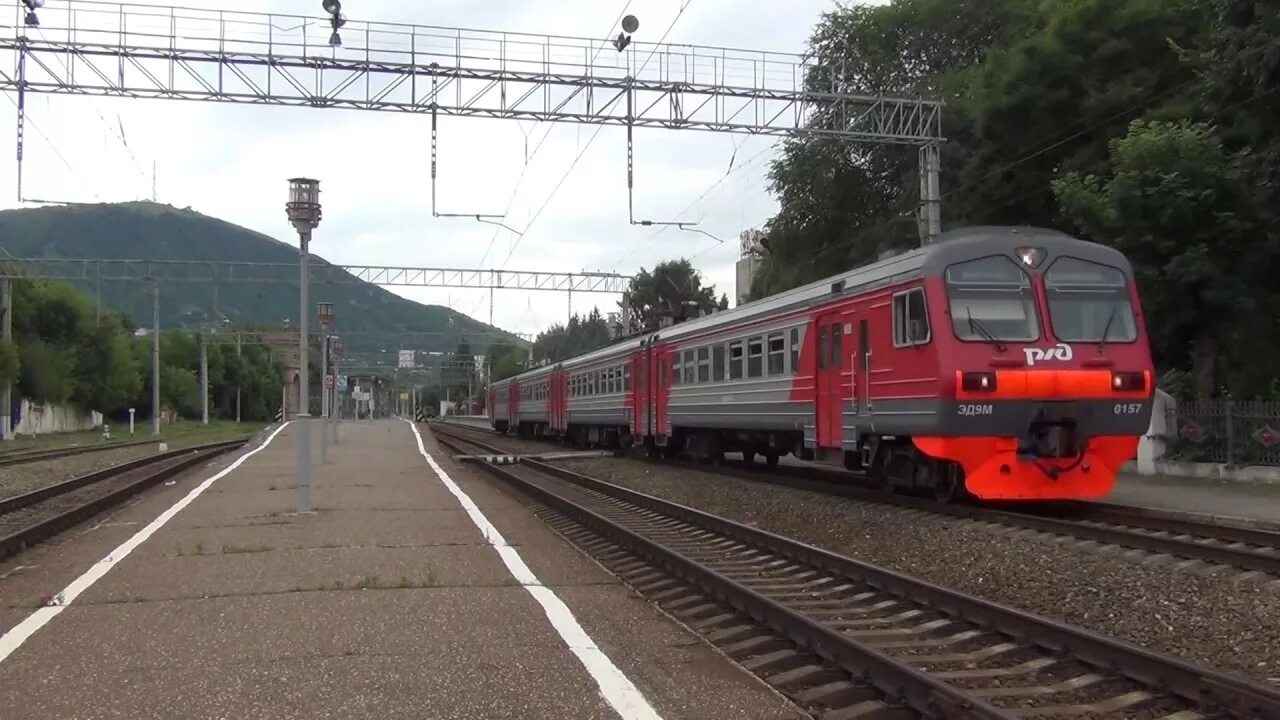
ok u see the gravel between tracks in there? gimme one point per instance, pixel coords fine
(1207, 620)
(18, 479)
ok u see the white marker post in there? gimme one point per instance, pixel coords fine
(131, 411)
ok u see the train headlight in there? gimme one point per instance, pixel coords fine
(1128, 381)
(1029, 256)
(978, 382)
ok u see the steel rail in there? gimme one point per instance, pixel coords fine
(919, 690)
(20, 457)
(1202, 687)
(1121, 525)
(174, 462)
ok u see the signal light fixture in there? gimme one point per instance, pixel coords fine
(336, 19)
(629, 25)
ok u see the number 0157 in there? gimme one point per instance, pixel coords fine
(1128, 408)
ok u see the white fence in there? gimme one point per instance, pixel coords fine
(42, 419)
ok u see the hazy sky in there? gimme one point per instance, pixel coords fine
(232, 161)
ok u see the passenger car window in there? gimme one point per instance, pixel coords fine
(717, 362)
(910, 319)
(735, 360)
(777, 360)
(755, 357)
(795, 350)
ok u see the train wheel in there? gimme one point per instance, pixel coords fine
(748, 456)
(771, 459)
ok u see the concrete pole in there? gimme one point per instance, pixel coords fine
(204, 381)
(304, 400)
(324, 394)
(336, 406)
(239, 338)
(930, 193)
(6, 336)
(155, 358)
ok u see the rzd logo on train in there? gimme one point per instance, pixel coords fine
(1061, 351)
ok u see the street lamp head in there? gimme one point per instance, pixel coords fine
(303, 207)
(333, 7)
(326, 314)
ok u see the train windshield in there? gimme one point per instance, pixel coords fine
(1089, 302)
(991, 300)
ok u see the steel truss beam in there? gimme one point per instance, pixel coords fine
(321, 272)
(87, 47)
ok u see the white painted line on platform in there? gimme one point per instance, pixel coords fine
(617, 689)
(17, 635)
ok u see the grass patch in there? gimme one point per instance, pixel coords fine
(186, 433)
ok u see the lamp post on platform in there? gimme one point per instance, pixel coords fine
(303, 210)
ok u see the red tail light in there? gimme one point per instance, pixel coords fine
(1128, 381)
(978, 382)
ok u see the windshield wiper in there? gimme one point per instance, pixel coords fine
(975, 326)
(1106, 329)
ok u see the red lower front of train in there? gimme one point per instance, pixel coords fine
(1105, 410)
(993, 469)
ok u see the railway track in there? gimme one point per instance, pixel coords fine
(845, 639)
(35, 516)
(1181, 539)
(20, 457)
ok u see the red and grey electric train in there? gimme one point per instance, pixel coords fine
(1001, 362)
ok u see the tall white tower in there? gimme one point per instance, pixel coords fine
(750, 249)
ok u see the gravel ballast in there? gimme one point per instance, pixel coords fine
(18, 479)
(1207, 620)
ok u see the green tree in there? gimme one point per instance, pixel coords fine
(505, 360)
(1051, 101)
(580, 335)
(673, 291)
(1177, 204)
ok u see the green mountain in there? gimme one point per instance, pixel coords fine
(374, 319)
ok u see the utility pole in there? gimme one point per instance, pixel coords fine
(239, 338)
(326, 319)
(6, 337)
(155, 358)
(204, 380)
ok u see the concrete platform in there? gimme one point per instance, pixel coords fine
(389, 601)
(1259, 501)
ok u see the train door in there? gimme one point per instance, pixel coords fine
(513, 405)
(556, 399)
(828, 406)
(860, 374)
(660, 373)
(640, 393)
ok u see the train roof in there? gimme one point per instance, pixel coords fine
(951, 247)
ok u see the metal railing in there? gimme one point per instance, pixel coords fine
(1232, 432)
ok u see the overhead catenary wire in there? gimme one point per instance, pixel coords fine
(683, 6)
(530, 156)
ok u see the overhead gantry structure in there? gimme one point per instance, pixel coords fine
(90, 47)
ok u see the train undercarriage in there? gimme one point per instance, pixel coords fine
(1047, 463)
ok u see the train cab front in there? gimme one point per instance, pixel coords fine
(1051, 385)
(1045, 435)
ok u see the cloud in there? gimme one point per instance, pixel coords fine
(232, 161)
